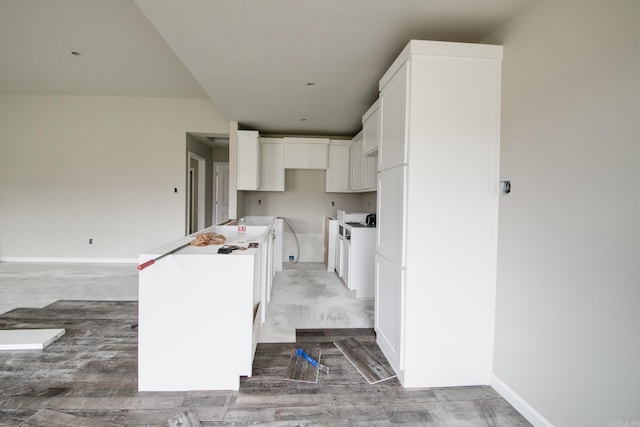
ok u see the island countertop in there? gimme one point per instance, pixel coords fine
(254, 233)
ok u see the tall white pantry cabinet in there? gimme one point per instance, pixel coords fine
(437, 213)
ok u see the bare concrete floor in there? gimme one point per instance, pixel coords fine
(304, 295)
(40, 284)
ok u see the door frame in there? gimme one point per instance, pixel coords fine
(202, 172)
(215, 191)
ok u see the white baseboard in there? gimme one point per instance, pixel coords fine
(527, 411)
(71, 260)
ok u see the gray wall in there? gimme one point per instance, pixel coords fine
(221, 155)
(568, 299)
(101, 167)
(305, 204)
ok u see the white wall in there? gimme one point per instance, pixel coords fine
(305, 204)
(79, 167)
(568, 299)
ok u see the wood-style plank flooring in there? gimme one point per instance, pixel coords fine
(89, 377)
(367, 358)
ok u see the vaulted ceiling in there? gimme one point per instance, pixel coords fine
(279, 66)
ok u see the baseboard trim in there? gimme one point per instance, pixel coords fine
(527, 411)
(71, 260)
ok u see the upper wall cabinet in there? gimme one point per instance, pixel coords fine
(371, 130)
(306, 153)
(271, 164)
(355, 155)
(363, 168)
(337, 177)
(248, 160)
(393, 120)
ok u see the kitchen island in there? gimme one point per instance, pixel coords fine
(200, 312)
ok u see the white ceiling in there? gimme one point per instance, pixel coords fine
(253, 58)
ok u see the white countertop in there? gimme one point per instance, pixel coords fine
(254, 233)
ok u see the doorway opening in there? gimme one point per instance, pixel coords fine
(221, 192)
(196, 173)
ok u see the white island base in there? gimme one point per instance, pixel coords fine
(200, 312)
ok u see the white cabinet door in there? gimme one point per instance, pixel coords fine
(248, 160)
(346, 262)
(369, 172)
(390, 219)
(306, 153)
(271, 164)
(393, 118)
(389, 309)
(361, 265)
(337, 177)
(317, 155)
(371, 130)
(363, 169)
(338, 266)
(356, 163)
(295, 155)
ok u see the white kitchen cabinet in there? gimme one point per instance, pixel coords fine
(355, 156)
(248, 160)
(342, 258)
(271, 164)
(369, 172)
(438, 185)
(338, 255)
(363, 168)
(389, 319)
(359, 275)
(306, 153)
(393, 119)
(330, 237)
(371, 130)
(391, 211)
(337, 177)
(346, 261)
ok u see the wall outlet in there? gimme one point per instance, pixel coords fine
(290, 258)
(91, 241)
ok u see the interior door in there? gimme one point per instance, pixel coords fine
(221, 186)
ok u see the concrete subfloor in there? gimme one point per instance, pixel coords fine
(304, 296)
(40, 284)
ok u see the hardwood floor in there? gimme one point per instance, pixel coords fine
(88, 378)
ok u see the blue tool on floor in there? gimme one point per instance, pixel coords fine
(300, 352)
